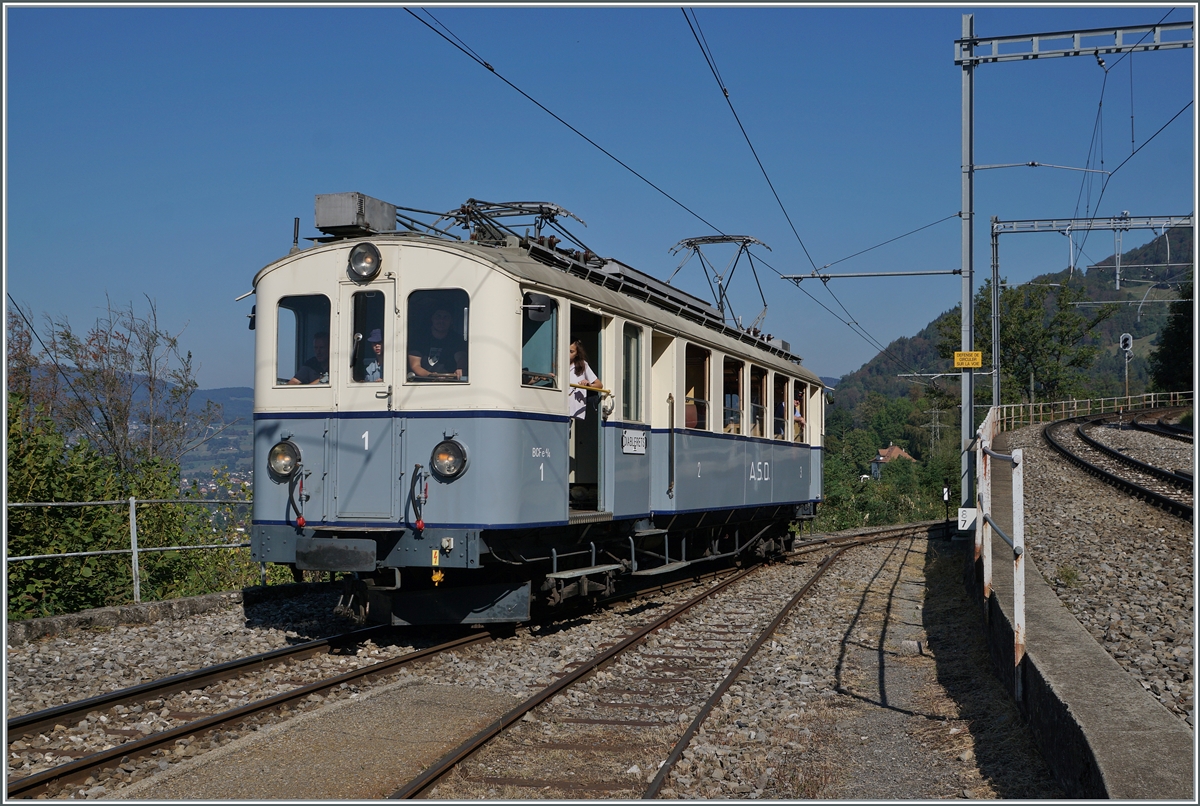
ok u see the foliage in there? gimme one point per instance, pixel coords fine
(1070, 349)
(1173, 361)
(1046, 343)
(906, 491)
(107, 420)
(1146, 271)
(130, 387)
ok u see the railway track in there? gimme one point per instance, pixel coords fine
(1160, 424)
(651, 690)
(124, 743)
(170, 727)
(184, 724)
(1167, 489)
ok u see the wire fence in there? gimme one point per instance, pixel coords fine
(134, 550)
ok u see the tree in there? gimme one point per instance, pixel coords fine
(1174, 359)
(103, 417)
(130, 388)
(1043, 336)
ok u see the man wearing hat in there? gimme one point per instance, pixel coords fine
(373, 371)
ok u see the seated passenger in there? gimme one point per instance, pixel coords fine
(373, 369)
(315, 369)
(440, 355)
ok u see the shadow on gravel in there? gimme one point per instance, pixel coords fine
(1004, 749)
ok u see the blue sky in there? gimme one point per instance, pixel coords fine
(165, 151)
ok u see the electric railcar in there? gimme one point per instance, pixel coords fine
(413, 428)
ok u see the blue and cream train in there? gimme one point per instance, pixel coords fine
(464, 496)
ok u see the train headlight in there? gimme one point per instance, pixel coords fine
(364, 261)
(283, 459)
(449, 459)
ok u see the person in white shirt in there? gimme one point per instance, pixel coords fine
(581, 375)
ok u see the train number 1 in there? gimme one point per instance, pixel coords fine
(366, 440)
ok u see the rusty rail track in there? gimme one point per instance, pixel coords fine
(1163, 428)
(1123, 472)
(73, 712)
(429, 778)
(78, 770)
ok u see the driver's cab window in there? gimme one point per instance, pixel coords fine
(366, 342)
(438, 336)
(539, 341)
(302, 340)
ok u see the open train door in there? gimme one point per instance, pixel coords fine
(365, 462)
(586, 473)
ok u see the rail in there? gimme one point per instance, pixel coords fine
(985, 524)
(1017, 415)
(134, 550)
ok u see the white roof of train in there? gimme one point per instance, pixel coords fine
(615, 288)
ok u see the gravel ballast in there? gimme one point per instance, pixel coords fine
(873, 655)
(1122, 567)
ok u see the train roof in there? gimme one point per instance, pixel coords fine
(610, 284)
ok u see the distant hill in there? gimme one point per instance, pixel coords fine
(233, 448)
(1143, 320)
(830, 382)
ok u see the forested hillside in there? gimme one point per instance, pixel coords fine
(1059, 335)
(1143, 320)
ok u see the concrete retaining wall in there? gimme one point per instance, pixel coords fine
(148, 612)
(1101, 733)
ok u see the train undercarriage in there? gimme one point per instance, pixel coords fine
(510, 573)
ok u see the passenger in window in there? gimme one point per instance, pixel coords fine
(442, 355)
(315, 369)
(373, 369)
(798, 417)
(581, 375)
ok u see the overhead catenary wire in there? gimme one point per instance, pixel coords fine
(698, 34)
(462, 47)
(1098, 130)
(1112, 173)
(724, 91)
(454, 40)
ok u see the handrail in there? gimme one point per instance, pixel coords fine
(985, 524)
(1017, 415)
(1003, 457)
(1017, 551)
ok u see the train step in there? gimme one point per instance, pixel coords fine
(661, 569)
(649, 532)
(582, 572)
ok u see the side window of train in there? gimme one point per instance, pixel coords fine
(732, 421)
(758, 401)
(438, 336)
(779, 407)
(695, 383)
(631, 373)
(367, 347)
(302, 340)
(799, 410)
(539, 341)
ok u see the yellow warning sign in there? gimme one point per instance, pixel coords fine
(436, 556)
(968, 360)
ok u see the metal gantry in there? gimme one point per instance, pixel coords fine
(1066, 226)
(970, 52)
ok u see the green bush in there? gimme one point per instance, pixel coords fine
(44, 466)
